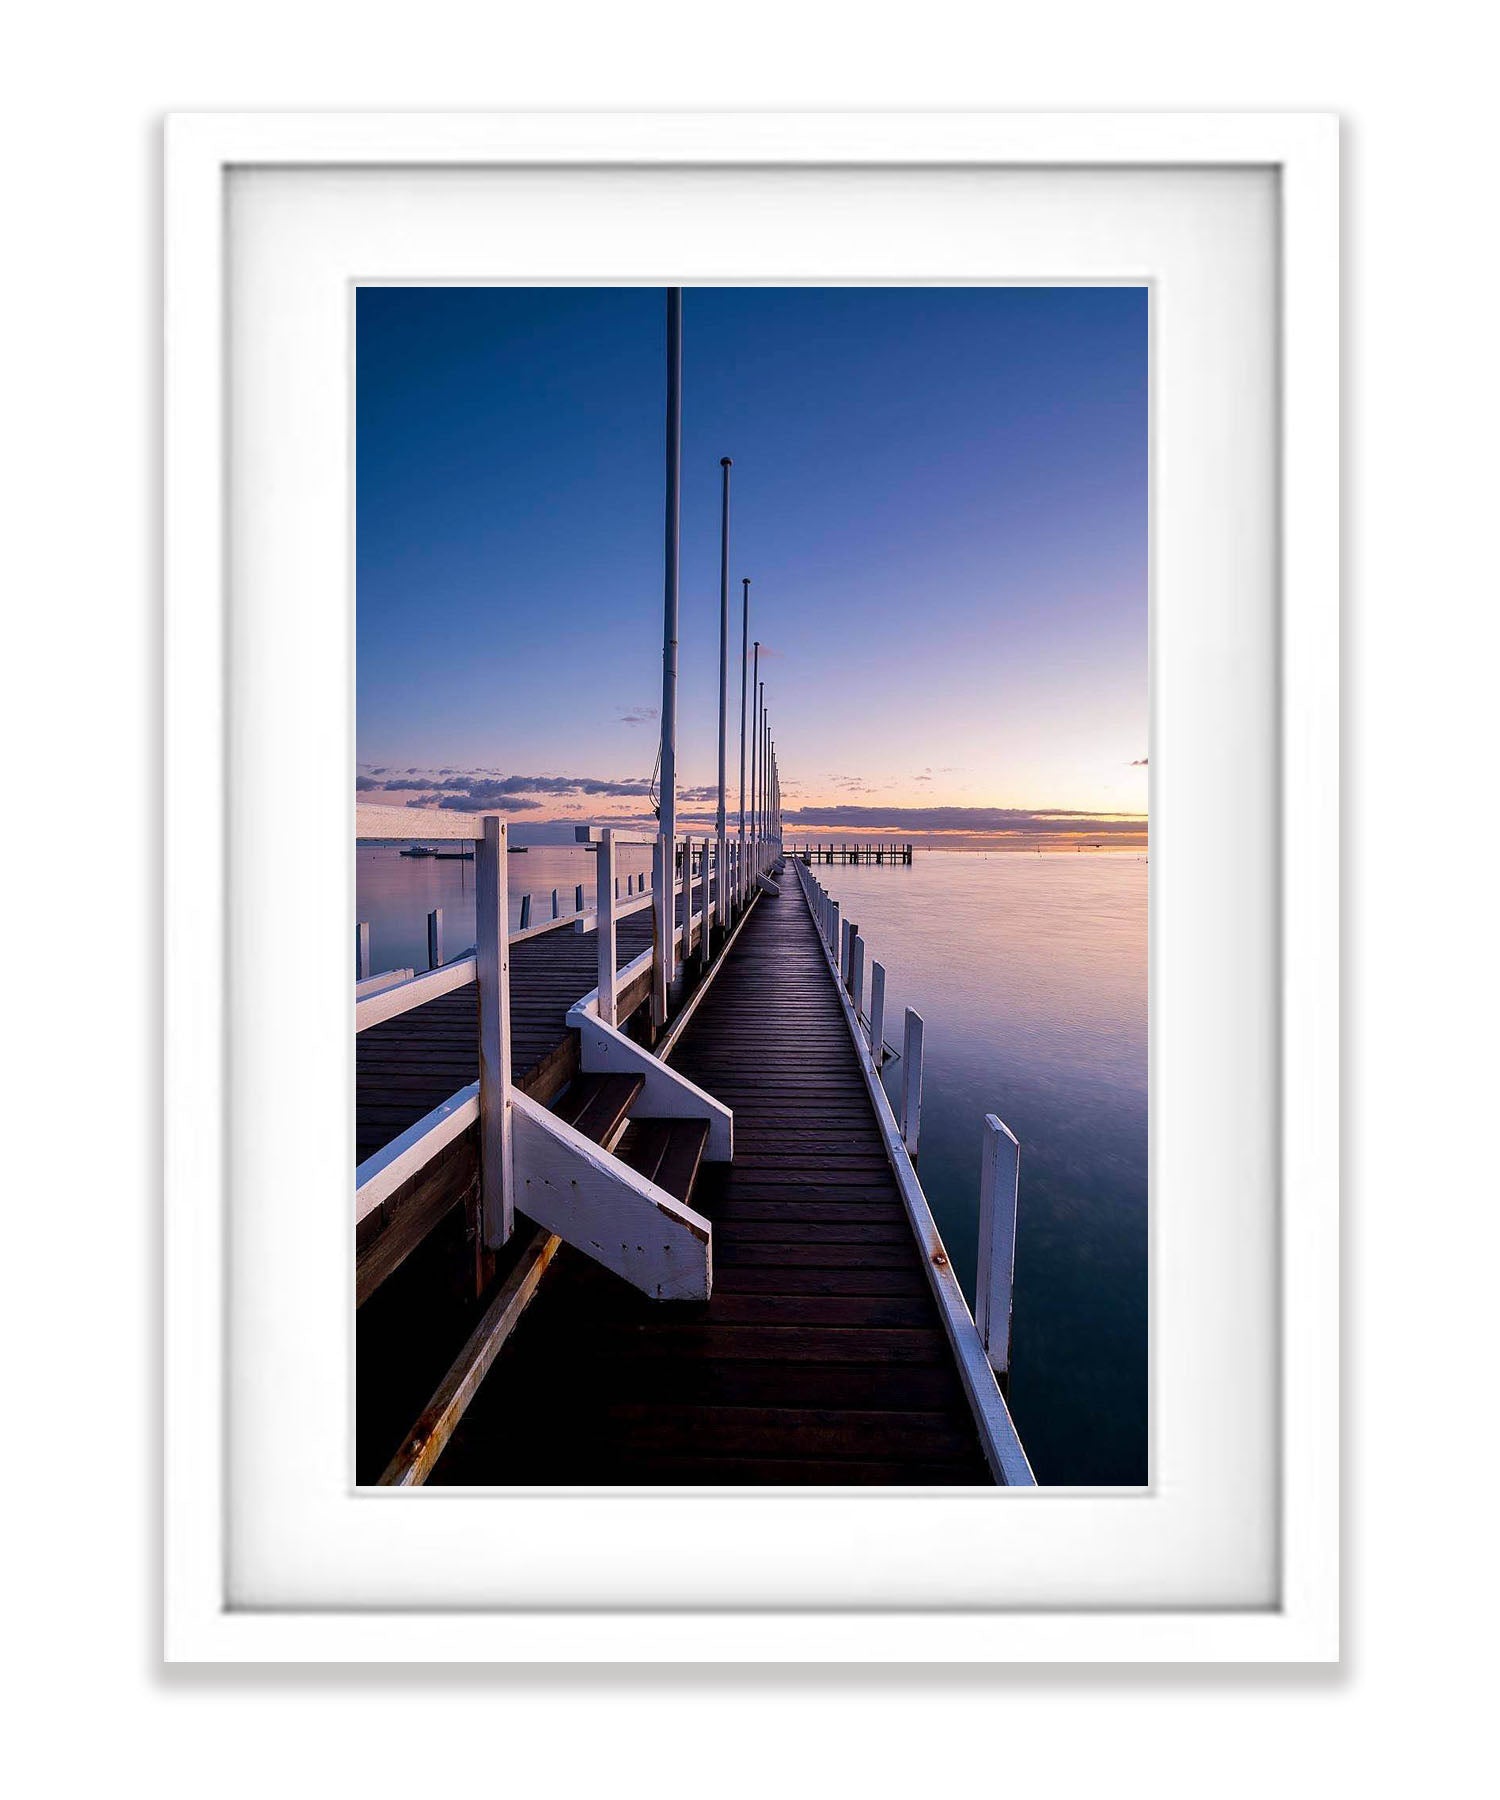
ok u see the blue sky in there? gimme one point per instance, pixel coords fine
(939, 495)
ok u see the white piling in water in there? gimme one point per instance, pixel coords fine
(877, 1012)
(999, 1192)
(911, 1082)
(362, 952)
(525, 912)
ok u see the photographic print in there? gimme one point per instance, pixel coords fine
(750, 931)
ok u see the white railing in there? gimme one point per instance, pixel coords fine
(981, 1345)
(684, 906)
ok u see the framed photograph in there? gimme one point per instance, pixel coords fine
(705, 633)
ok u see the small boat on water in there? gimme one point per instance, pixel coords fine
(419, 850)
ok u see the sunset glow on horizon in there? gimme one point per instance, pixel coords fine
(939, 495)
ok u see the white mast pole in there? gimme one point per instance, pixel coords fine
(664, 957)
(722, 823)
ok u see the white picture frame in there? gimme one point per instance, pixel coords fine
(204, 1621)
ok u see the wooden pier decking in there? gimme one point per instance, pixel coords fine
(820, 1358)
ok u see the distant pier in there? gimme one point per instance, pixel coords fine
(896, 855)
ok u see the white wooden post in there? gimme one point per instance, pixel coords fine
(362, 952)
(846, 956)
(606, 888)
(661, 914)
(877, 1012)
(555, 912)
(911, 1082)
(525, 912)
(833, 932)
(687, 899)
(857, 983)
(707, 911)
(999, 1189)
(492, 941)
(435, 938)
(578, 898)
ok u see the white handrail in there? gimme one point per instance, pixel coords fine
(378, 1177)
(416, 990)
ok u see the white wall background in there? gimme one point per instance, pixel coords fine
(80, 102)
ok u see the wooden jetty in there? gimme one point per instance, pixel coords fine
(703, 1256)
(892, 855)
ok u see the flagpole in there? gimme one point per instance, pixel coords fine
(754, 764)
(666, 970)
(725, 463)
(760, 740)
(744, 706)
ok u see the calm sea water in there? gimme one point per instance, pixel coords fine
(1030, 975)
(395, 893)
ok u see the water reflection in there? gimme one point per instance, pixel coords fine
(1030, 975)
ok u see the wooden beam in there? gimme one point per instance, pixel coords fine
(574, 1187)
(428, 1438)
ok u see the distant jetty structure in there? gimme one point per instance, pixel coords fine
(893, 855)
(632, 1203)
